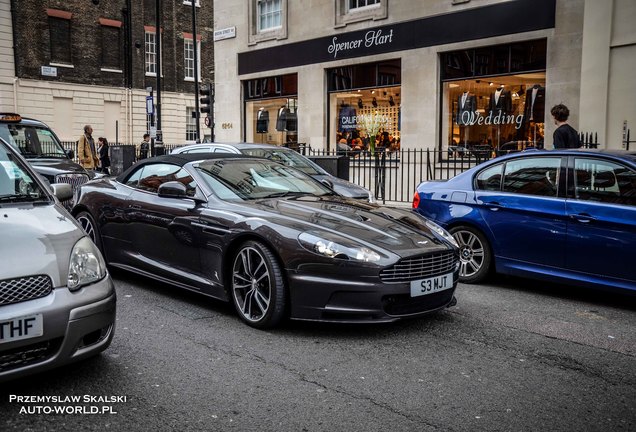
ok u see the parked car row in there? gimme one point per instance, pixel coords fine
(264, 228)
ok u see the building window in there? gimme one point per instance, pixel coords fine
(269, 14)
(188, 59)
(151, 53)
(191, 126)
(189, 3)
(357, 4)
(60, 33)
(268, 20)
(351, 11)
(111, 47)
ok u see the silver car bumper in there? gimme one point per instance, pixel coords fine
(76, 325)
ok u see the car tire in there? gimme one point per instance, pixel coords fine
(90, 228)
(257, 286)
(474, 253)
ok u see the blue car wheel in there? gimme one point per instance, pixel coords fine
(474, 253)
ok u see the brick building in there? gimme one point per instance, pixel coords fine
(76, 62)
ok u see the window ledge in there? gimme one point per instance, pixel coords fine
(111, 70)
(63, 65)
(192, 79)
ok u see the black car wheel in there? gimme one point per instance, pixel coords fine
(90, 228)
(474, 254)
(258, 288)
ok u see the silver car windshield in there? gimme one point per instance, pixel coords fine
(244, 179)
(287, 157)
(32, 141)
(16, 183)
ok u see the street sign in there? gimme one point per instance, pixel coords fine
(49, 71)
(208, 121)
(153, 132)
(226, 33)
(150, 106)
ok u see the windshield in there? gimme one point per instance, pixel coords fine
(245, 179)
(287, 157)
(32, 141)
(16, 183)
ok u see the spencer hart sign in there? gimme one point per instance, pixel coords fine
(371, 38)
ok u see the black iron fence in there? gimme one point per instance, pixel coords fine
(391, 175)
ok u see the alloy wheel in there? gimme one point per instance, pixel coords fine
(471, 253)
(251, 284)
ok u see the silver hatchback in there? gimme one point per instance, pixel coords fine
(57, 301)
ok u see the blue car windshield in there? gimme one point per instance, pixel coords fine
(250, 179)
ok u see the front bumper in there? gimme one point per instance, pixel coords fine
(316, 297)
(76, 325)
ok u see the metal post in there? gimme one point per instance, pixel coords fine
(158, 41)
(196, 69)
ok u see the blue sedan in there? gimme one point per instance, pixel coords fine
(562, 216)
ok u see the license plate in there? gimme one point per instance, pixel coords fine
(432, 285)
(25, 327)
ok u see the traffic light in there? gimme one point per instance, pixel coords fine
(207, 98)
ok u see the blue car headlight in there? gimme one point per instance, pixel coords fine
(441, 232)
(328, 245)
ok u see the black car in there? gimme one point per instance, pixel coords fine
(39, 145)
(269, 238)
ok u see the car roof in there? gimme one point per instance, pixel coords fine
(629, 155)
(27, 121)
(179, 159)
(241, 145)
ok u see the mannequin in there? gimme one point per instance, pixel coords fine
(535, 104)
(466, 103)
(281, 119)
(262, 120)
(500, 102)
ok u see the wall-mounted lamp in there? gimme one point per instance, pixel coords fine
(391, 101)
(374, 103)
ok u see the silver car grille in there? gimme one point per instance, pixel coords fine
(23, 289)
(74, 179)
(420, 267)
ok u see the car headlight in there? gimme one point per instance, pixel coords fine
(339, 248)
(442, 232)
(86, 265)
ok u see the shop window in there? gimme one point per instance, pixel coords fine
(60, 34)
(499, 105)
(351, 11)
(271, 110)
(267, 19)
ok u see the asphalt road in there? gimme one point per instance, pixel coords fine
(511, 356)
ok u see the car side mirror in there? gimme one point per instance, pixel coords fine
(63, 191)
(172, 189)
(70, 154)
(327, 183)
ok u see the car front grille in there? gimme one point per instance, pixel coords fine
(420, 267)
(74, 179)
(23, 289)
(29, 354)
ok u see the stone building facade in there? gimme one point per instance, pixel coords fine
(434, 74)
(70, 63)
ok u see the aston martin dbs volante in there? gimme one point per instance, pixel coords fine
(270, 239)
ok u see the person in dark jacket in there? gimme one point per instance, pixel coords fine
(104, 159)
(565, 136)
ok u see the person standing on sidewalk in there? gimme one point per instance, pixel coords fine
(104, 158)
(144, 147)
(565, 136)
(86, 150)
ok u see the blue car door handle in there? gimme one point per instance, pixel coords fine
(583, 217)
(494, 206)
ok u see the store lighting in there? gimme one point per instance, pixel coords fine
(491, 84)
(372, 91)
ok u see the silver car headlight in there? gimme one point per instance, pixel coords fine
(86, 266)
(442, 232)
(340, 248)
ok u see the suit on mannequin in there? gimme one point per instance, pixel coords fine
(281, 119)
(500, 102)
(262, 121)
(466, 105)
(535, 104)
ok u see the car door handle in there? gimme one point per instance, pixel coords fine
(494, 205)
(583, 217)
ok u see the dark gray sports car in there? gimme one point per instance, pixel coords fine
(269, 238)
